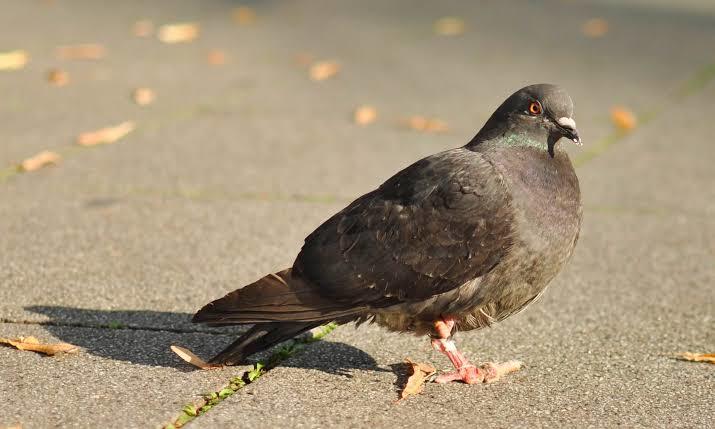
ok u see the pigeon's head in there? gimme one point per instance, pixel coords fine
(543, 112)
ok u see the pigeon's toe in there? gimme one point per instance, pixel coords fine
(494, 371)
(468, 374)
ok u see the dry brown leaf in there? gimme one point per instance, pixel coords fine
(243, 15)
(322, 70)
(596, 27)
(416, 381)
(424, 124)
(13, 60)
(189, 356)
(449, 26)
(216, 57)
(40, 160)
(32, 344)
(58, 77)
(143, 96)
(178, 33)
(105, 135)
(303, 59)
(365, 115)
(697, 357)
(143, 28)
(86, 51)
(623, 118)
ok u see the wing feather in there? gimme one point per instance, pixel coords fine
(432, 227)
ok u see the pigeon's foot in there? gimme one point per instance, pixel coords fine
(467, 372)
(487, 373)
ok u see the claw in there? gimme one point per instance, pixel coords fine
(495, 371)
(469, 374)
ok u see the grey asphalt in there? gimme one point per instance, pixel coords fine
(235, 164)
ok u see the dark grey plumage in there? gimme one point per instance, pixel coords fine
(474, 233)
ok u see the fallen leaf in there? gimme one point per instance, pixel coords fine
(86, 51)
(322, 70)
(33, 344)
(416, 381)
(596, 27)
(58, 77)
(105, 135)
(244, 15)
(623, 118)
(697, 357)
(216, 57)
(365, 115)
(40, 160)
(143, 96)
(189, 356)
(303, 59)
(178, 33)
(13, 60)
(449, 26)
(424, 124)
(143, 28)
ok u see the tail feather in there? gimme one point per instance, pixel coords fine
(282, 305)
(261, 337)
(276, 297)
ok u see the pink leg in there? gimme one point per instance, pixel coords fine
(464, 370)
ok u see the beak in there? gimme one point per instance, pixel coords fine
(567, 126)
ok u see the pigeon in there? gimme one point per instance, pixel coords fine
(457, 241)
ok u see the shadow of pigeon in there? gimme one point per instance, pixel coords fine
(143, 337)
(334, 358)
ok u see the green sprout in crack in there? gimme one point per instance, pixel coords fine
(114, 324)
(210, 400)
(323, 331)
(257, 371)
(191, 410)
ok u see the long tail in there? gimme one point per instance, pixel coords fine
(260, 337)
(282, 305)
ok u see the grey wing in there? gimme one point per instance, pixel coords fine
(432, 227)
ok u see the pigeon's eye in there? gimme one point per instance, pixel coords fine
(535, 108)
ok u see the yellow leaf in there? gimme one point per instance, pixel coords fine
(13, 60)
(40, 160)
(86, 51)
(178, 33)
(416, 381)
(449, 26)
(322, 70)
(365, 115)
(189, 356)
(216, 57)
(303, 59)
(623, 118)
(424, 124)
(697, 357)
(244, 15)
(143, 96)
(32, 344)
(143, 28)
(105, 135)
(596, 27)
(58, 77)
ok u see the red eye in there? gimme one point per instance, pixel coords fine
(535, 108)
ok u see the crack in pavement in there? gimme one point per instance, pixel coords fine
(114, 327)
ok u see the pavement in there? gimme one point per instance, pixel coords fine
(233, 165)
